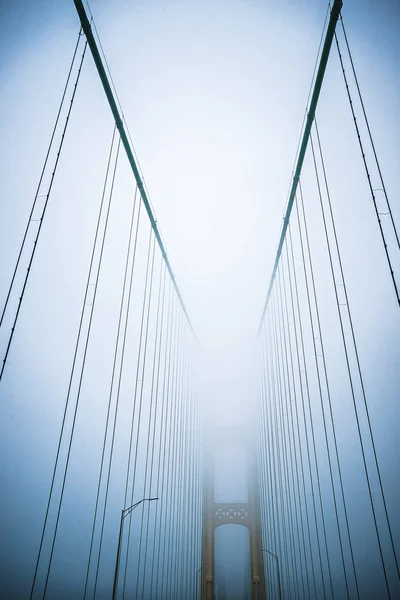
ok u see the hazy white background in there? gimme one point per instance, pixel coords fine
(214, 94)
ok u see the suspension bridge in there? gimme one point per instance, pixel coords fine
(109, 484)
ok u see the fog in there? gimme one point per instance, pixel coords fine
(214, 95)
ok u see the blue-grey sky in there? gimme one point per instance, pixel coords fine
(214, 94)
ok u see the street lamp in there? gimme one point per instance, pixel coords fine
(277, 571)
(125, 512)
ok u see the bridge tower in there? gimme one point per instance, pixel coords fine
(239, 513)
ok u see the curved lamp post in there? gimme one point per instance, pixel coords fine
(274, 556)
(125, 512)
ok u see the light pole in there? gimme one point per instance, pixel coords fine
(124, 513)
(277, 571)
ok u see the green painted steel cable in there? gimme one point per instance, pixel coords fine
(86, 26)
(337, 5)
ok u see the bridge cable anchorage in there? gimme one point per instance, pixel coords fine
(335, 12)
(367, 172)
(115, 376)
(44, 208)
(37, 195)
(85, 343)
(86, 26)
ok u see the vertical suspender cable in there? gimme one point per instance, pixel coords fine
(43, 213)
(317, 334)
(72, 369)
(298, 338)
(370, 135)
(88, 331)
(157, 412)
(302, 551)
(127, 276)
(360, 143)
(139, 405)
(325, 368)
(358, 367)
(155, 571)
(40, 179)
(167, 449)
(152, 417)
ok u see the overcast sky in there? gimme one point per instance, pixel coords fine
(214, 94)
